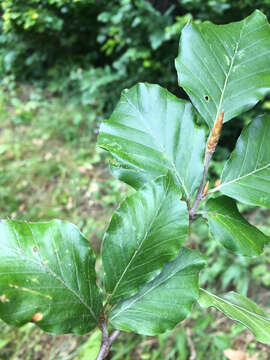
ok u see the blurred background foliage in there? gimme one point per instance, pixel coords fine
(63, 64)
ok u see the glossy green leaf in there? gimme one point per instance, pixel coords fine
(162, 303)
(230, 228)
(239, 308)
(150, 132)
(246, 175)
(47, 276)
(145, 232)
(225, 66)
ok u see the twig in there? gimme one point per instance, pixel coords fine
(114, 336)
(107, 340)
(199, 197)
(210, 149)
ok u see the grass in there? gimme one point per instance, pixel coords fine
(50, 168)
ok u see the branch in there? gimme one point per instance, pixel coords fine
(210, 149)
(107, 341)
(114, 336)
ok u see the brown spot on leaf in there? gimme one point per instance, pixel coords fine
(36, 317)
(35, 249)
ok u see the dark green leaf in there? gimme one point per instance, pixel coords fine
(164, 302)
(145, 232)
(47, 276)
(151, 132)
(246, 175)
(239, 308)
(225, 67)
(229, 227)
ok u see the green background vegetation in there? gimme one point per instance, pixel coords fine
(63, 64)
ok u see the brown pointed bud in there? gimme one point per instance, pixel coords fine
(215, 133)
(205, 189)
(217, 182)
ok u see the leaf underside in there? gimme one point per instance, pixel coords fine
(145, 232)
(48, 277)
(150, 132)
(246, 175)
(230, 228)
(239, 308)
(162, 303)
(225, 67)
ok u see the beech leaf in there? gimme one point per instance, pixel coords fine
(240, 308)
(225, 67)
(48, 277)
(150, 132)
(145, 232)
(246, 175)
(165, 301)
(229, 227)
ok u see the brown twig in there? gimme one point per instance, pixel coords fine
(107, 340)
(210, 149)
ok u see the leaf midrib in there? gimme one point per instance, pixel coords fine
(163, 150)
(229, 72)
(151, 289)
(217, 188)
(139, 247)
(238, 307)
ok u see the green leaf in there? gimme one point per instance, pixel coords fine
(246, 175)
(239, 308)
(150, 132)
(229, 227)
(225, 67)
(145, 232)
(162, 303)
(47, 276)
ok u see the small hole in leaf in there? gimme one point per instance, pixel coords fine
(206, 97)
